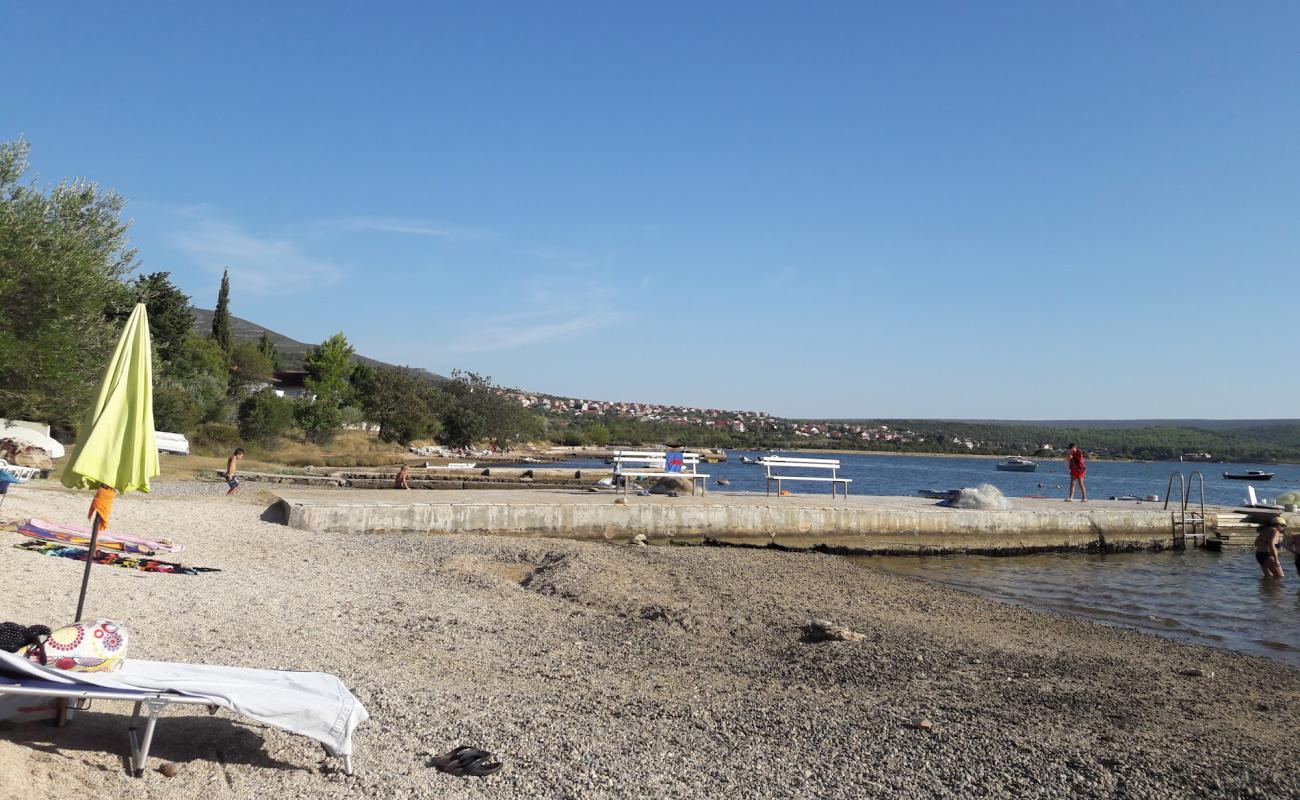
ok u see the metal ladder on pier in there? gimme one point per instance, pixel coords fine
(1186, 522)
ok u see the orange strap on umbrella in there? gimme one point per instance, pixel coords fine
(102, 504)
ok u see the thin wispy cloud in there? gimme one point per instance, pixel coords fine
(260, 264)
(547, 315)
(508, 335)
(408, 227)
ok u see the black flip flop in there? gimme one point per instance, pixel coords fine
(451, 760)
(482, 767)
(466, 760)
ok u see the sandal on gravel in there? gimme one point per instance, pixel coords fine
(451, 760)
(481, 767)
(467, 760)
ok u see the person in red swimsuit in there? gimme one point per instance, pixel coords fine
(1077, 470)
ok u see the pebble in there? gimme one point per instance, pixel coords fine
(1196, 672)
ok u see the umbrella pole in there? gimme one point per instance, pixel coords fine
(90, 560)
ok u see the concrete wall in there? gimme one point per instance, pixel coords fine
(801, 526)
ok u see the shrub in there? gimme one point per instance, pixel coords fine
(264, 416)
(598, 435)
(175, 409)
(216, 436)
(320, 420)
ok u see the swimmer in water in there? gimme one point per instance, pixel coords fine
(1270, 533)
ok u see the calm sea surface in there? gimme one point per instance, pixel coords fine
(1195, 596)
(1218, 599)
(904, 475)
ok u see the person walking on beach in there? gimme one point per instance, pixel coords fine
(1077, 470)
(402, 475)
(232, 466)
(1266, 548)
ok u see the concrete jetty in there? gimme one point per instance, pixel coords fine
(868, 523)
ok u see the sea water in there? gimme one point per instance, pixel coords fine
(904, 475)
(1217, 599)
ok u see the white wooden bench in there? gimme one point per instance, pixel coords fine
(782, 463)
(649, 464)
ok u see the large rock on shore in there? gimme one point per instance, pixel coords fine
(666, 485)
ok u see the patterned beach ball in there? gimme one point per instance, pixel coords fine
(98, 646)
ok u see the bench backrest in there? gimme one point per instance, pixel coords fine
(782, 462)
(653, 460)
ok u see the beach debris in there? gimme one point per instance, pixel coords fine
(985, 496)
(1195, 672)
(169, 769)
(638, 540)
(823, 630)
(920, 724)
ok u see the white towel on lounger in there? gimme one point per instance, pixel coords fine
(314, 704)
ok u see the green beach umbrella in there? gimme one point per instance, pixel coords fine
(115, 447)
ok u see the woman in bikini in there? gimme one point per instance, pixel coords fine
(1266, 548)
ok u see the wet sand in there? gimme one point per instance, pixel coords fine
(605, 670)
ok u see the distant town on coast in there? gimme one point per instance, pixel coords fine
(585, 421)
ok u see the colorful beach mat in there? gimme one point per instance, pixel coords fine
(112, 559)
(108, 540)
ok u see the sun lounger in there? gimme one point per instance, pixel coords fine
(312, 704)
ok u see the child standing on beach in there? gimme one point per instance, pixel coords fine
(1266, 548)
(232, 466)
(1077, 470)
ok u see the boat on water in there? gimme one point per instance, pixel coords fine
(748, 460)
(1249, 475)
(1017, 464)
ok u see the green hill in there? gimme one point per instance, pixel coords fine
(292, 352)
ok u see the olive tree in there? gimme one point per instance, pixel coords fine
(65, 256)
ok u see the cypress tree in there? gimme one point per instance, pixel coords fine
(221, 316)
(267, 348)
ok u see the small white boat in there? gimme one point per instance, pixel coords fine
(1017, 464)
(453, 465)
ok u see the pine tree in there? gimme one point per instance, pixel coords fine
(221, 316)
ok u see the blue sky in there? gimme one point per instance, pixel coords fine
(1015, 210)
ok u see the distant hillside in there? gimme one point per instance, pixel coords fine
(292, 352)
(1102, 424)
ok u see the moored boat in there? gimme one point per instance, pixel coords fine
(1249, 475)
(1017, 464)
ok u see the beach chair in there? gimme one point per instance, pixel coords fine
(10, 474)
(313, 704)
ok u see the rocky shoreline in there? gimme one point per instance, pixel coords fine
(601, 670)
